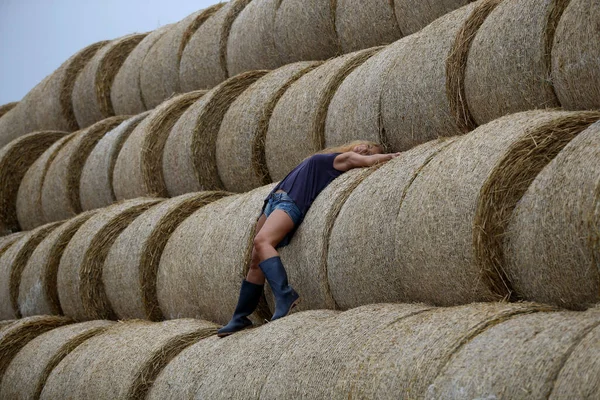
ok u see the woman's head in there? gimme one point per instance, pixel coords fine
(363, 147)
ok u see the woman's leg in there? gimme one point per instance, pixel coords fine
(255, 275)
(274, 229)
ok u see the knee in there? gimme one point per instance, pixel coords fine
(260, 245)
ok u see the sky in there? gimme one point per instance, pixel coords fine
(37, 36)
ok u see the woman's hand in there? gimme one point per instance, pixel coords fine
(350, 160)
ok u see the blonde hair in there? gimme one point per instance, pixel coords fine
(349, 146)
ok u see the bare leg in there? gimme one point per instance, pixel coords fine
(255, 274)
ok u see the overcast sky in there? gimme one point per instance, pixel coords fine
(36, 36)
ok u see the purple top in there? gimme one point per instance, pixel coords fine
(308, 179)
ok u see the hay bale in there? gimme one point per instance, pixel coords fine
(454, 215)
(16, 335)
(91, 93)
(96, 182)
(251, 43)
(363, 24)
(27, 373)
(575, 56)
(60, 191)
(305, 30)
(38, 294)
(189, 163)
(551, 244)
(29, 197)
(520, 356)
(509, 64)
(123, 362)
(12, 263)
(204, 59)
(235, 367)
(8, 240)
(413, 16)
(360, 246)
(15, 160)
(206, 258)
(159, 74)
(241, 139)
(137, 171)
(6, 324)
(130, 269)
(4, 108)
(80, 287)
(296, 128)
(126, 91)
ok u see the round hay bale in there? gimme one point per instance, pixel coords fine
(159, 75)
(27, 372)
(234, 367)
(551, 244)
(29, 196)
(15, 160)
(7, 107)
(251, 44)
(354, 231)
(206, 258)
(189, 162)
(453, 217)
(137, 170)
(123, 362)
(204, 60)
(241, 138)
(14, 124)
(38, 294)
(6, 324)
(305, 30)
(523, 355)
(296, 128)
(16, 335)
(363, 24)
(413, 16)
(8, 240)
(95, 184)
(575, 56)
(60, 191)
(80, 288)
(12, 263)
(126, 91)
(130, 269)
(509, 65)
(91, 93)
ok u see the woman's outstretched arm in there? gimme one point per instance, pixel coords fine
(350, 160)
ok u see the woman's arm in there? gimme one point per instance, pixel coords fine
(349, 160)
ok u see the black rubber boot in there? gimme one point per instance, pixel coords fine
(286, 298)
(249, 297)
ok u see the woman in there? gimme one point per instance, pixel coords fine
(283, 211)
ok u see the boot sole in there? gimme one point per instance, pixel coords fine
(225, 334)
(294, 304)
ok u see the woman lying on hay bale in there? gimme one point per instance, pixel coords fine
(283, 211)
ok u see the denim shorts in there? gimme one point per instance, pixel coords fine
(281, 201)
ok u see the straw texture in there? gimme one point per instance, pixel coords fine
(297, 126)
(206, 258)
(551, 245)
(95, 184)
(15, 160)
(241, 139)
(12, 263)
(575, 56)
(27, 373)
(38, 294)
(7, 107)
(137, 171)
(80, 287)
(130, 269)
(8, 240)
(91, 93)
(123, 362)
(60, 191)
(189, 160)
(413, 16)
(204, 59)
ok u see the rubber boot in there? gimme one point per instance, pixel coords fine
(249, 297)
(286, 298)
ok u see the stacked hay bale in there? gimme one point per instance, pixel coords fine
(241, 138)
(15, 160)
(60, 191)
(80, 287)
(413, 16)
(131, 266)
(8, 240)
(189, 161)
(4, 108)
(123, 361)
(137, 171)
(91, 93)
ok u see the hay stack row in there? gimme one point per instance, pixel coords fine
(376, 351)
